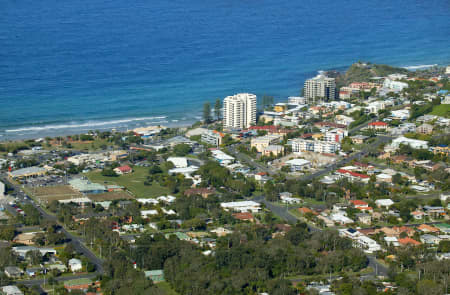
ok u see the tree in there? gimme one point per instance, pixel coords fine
(109, 172)
(207, 113)
(182, 149)
(217, 108)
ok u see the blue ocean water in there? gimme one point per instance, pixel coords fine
(92, 64)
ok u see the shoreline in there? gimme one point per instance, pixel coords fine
(30, 132)
(51, 132)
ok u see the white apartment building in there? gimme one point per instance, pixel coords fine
(296, 100)
(212, 137)
(317, 146)
(320, 87)
(239, 111)
(394, 85)
(335, 135)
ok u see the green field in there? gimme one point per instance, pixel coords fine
(442, 110)
(134, 182)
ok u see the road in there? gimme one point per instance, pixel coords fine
(379, 140)
(74, 240)
(282, 211)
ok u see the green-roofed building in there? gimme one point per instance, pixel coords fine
(86, 187)
(78, 284)
(156, 275)
(179, 235)
(443, 227)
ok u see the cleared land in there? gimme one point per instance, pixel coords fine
(442, 110)
(134, 182)
(58, 192)
(110, 196)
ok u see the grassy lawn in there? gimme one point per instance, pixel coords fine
(86, 145)
(442, 110)
(165, 286)
(134, 182)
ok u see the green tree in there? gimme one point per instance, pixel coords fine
(217, 108)
(207, 113)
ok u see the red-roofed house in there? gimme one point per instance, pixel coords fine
(425, 228)
(244, 216)
(378, 125)
(305, 210)
(352, 176)
(123, 170)
(359, 203)
(408, 241)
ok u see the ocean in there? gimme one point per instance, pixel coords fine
(72, 66)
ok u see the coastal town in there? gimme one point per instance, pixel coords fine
(344, 189)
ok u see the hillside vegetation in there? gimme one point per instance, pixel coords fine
(362, 72)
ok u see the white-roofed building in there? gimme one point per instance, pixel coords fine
(221, 157)
(148, 201)
(147, 213)
(10, 290)
(386, 203)
(178, 162)
(241, 206)
(298, 164)
(414, 143)
(75, 265)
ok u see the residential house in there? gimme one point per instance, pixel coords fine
(359, 139)
(408, 242)
(425, 228)
(244, 216)
(10, 290)
(156, 275)
(364, 218)
(202, 191)
(384, 203)
(378, 125)
(13, 272)
(429, 239)
(75, 265)
(123, 170)
(425, 129)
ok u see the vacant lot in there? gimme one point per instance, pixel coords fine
(442, 110)
(110, 196)
(58, 192)
(134, 182)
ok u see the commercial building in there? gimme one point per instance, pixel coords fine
(239, 111)
(241, 206)
(86, 187)
(317, 146)
(273, 150)
(298, 164)
(320, 87)
(212, 137)
(27, 172)
(262, 142)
